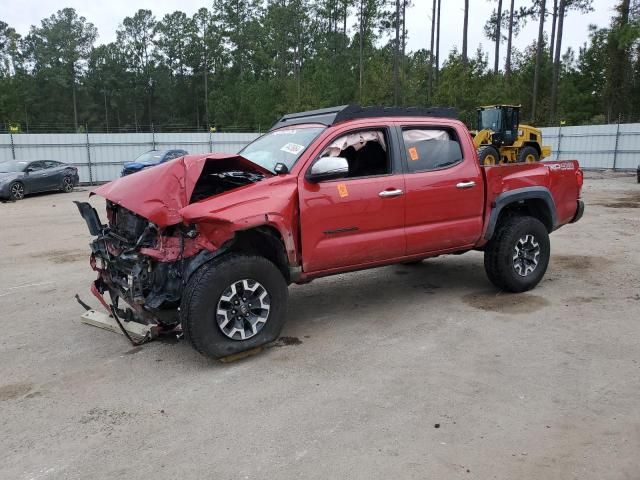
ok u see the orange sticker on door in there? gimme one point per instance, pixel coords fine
(413, 154)
(342, 190)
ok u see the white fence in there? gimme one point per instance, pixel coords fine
(99, 156)
(596, 146)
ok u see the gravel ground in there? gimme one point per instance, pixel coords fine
(399, 372)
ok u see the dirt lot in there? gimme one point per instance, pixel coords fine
(400, 372)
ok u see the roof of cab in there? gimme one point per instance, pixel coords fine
(333, 115)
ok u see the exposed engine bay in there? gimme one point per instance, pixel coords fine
(147, 266)
(215, 183)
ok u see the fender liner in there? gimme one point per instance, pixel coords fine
(518, 195)
(202, 257)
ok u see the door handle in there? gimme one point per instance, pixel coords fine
(390, 193)
(466, 184)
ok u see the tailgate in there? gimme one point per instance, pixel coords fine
(565, 184)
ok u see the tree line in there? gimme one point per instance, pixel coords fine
(240, 64)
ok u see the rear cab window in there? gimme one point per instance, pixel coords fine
(430, 148)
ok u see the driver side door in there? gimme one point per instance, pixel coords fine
(357, 220)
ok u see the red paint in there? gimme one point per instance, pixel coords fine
(342, 225)
(170, 249)
(159, 193)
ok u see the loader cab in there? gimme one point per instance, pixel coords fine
(502, 120)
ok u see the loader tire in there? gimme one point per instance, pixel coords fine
(488, 155)
(528, 155)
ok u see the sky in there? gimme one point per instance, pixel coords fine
(106, 16)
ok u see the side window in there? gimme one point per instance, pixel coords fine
(509, 122)
(35, 166)
(366, 152)
(430, 149)
(174, 154)
(51, 164)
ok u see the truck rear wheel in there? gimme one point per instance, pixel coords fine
(232, 304)
(517, 256)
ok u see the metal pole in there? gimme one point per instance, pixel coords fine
(106, 112)
(153, 137)
(86, 131)
(210, 141)
(615, 149)
(13, 146)
(559, 141)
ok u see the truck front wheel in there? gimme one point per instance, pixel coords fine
(517, 256)
(232, 304)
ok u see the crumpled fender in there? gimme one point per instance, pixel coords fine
(271, 202)
(159, 193)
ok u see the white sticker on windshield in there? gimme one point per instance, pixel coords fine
(290, 131)
(292, 148)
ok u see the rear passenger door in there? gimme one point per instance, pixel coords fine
(53, 177)
(444, 190)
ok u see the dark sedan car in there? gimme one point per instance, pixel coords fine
(19, 178)
(150, 159)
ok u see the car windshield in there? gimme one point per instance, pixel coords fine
(152, 156)
(6, 167)
(490, 119)
(280, 146)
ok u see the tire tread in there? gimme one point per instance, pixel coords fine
(196, 289)
(499, 247)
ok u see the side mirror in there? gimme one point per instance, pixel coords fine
(280, 168)
(328, 168)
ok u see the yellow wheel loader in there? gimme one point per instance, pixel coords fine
(501, 139)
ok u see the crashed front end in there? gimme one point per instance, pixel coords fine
(146, 252)
(141, 264)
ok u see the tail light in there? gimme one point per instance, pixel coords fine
(579, 178)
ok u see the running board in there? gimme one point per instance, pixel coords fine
(138, 331)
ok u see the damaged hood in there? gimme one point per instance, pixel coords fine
(159, 193)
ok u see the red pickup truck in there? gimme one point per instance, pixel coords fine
(209, 243)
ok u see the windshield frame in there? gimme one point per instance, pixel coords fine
(321, 129)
